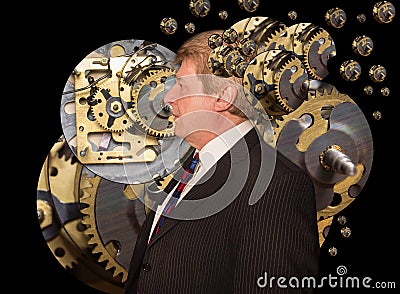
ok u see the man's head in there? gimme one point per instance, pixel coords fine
(204, 105)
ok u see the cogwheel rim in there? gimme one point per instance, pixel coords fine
(313, 106)
(325, 95)
(89, 219)
(280, 100)
(321, 33)
(68, 237)
(99, 111)
(276, 37)
(152, 75)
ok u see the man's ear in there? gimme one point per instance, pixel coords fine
(226, 98)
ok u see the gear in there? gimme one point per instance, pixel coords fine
(109, 109)
(322, 121)
(276, 40)
(113, 221)
(149, 110)
(260, 29)
(89, 198)
(289, 79)
(283, 38)
(278, 84)
(55, 194)
(311, 103)
(318, 49)
(260, 82)
(59, 213)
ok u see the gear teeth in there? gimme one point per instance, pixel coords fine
(159, 134)
(122, 123)
(61, 187)
(89, 220)
(135, 96)
(104, 126)
(313, 37)
(276, 37)
(325, 94)
(333, 94)
(315, 32)
(282, 103)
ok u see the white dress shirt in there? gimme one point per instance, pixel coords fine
(209, 155)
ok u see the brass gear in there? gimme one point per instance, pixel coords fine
(276, 40)
(109, 109)
(113, 218)
(260, 29)
(313, 104)
(288, 84)
(323, 229)
(56, 188)
(60, 188)
(89, 197)
(300, 34)
(317, 50)
(320, 126)
(283, 38)
(260, 80)
(148, 106)
(302, 138)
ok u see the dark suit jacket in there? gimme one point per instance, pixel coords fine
(239, 247)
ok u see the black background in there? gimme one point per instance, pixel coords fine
(61, 37)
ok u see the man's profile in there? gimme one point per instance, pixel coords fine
(211, 240)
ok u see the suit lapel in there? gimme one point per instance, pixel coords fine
(218, 177)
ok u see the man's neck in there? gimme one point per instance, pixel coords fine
(200, 138)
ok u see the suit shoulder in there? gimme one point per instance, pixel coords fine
(263, 151)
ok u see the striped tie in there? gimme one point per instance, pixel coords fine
(188, 174)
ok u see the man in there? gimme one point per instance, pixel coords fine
(246, 219)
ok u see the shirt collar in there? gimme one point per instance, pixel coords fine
(217, 147)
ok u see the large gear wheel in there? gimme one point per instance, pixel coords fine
(60, 218)
(323, 123)
(109, 109)
(59, 224)
(283, 38)
(149, 109)
(265, 31)
(113, 219)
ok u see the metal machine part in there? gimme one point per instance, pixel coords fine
(149, 110)
(78, 245)
(310, 43)
(363, 45)
(275, 79)
(384, 12)
(113, 116)
(113, 216)
(261, 29)
(329, 137)
(350, 70)
(336, 17)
